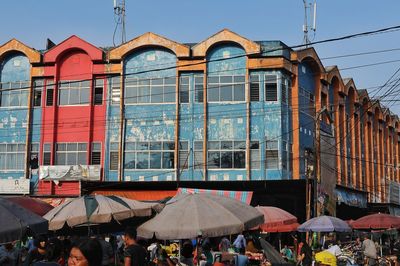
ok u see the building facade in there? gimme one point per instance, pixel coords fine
(226, 109)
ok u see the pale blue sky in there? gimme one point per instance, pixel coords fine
(32, 21)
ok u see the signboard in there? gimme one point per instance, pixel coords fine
(394, 192)
(14, 186)
(70, 172)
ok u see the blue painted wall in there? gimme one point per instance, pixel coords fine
(13, 120)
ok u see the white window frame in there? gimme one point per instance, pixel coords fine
(6, 152)
(222, 85)
(69, 85)
(18, 89)
(67, 151)
(161, 83)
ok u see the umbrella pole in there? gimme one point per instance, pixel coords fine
(380, 241)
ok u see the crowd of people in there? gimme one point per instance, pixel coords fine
(126, 249)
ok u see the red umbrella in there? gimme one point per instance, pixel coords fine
(34, 205)
(277, 220)
(377, 221)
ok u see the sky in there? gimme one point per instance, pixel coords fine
(33, 21)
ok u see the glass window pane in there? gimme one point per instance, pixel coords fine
(129, 160)
(213, 80)
(131, 95)
(130, 146)
(142, 160)
(143, 94)
(170, 81)
(239, 159)
(213, 93)
(63, 97)
(213, 145)
(168, 160)
(82, 158)
(240, 145)
(12, 161)
(213, 159)
(82, 146)
(14, 98)
(85, 96)
(155, 160)
(96, 146)
(60, 158)
(5, 98)
(183, 145)
(226, 79)
(239, 92)
(226, 159)
(226, 145)
(142, 146)
(157, 94)
(24, 98)
(169, 145)
(114, 146)
(226, 93)
(12, 147)
(74, 96)
(155, 146)
(157, 81)
(239, 79)
(169, 94)
(72, 146)
(71, 158)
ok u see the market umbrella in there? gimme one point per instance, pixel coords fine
(97, 209)
(16, 222)
(324, 224)
(34, 205)
(189, 215)
(277, 220)
(377, 221)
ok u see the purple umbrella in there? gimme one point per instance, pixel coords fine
(324, 224)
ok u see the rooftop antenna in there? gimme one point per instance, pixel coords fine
(310, 15)
(119, 16)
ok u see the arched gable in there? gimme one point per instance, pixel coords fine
(333, 73)
(17, 46)
(201, 49)
(311, 57)
(351, 86)
(70, 44)
(145, 40)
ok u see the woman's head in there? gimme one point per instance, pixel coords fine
(85, 252)
(53, 249)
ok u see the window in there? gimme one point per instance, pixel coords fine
(38, 86)
(284, 155)
(289, 88)
(271, 155)
(271, 88)
(34, 156)
(71, 154)
(254, 88)
(184, 89)
(307, 102)
(12, 156)
(46, 154)
(284, 89)
(198, 155)
(98, 91)
(157, 90)
(149, 155)
(255, 155)
(115, 90)
(226, 154)
(183, 155)
(226, 88)
(14, 94)
(49, 92)
(199, 89)
(95, 158)
(74, 92)
(114, 156)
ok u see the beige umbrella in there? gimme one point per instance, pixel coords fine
(97, 209)
(189, 215)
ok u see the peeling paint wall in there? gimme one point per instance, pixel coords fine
(13, 120)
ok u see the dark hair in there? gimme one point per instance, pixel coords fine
(53, 249)
(91, 249)
(38, 239)
(131, 232)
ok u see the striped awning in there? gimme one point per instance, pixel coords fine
(243, 196)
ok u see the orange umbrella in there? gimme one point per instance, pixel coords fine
(277, 220)
(377, 221)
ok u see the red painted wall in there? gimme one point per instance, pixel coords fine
(73, 59)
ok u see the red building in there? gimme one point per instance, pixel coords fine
(74, 111)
